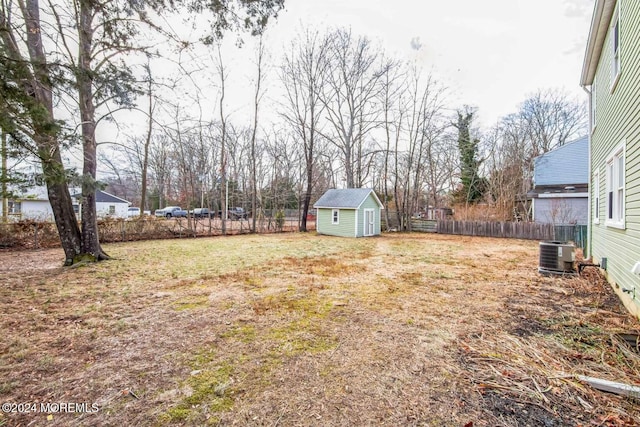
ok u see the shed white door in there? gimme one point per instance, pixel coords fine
(369, 222)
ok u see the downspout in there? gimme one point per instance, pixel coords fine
(589, 183)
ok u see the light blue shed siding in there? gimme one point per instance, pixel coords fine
(566, 165)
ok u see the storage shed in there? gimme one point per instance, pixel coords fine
(349, 212)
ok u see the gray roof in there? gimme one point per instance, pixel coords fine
(347, 198)
(566, 165)
(104, 197)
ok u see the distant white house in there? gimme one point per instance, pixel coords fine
(561, 192)
(34, 204)
(107, 205)
(31, 204)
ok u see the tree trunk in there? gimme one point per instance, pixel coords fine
(147, 143)
(223, 172)
(307, 195)
(309, 157)
(45, 135)
(5, 200)
(90, 238)
(62, 207)
(256, 102)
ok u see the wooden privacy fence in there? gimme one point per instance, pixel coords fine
(505, 229)
(515, 230)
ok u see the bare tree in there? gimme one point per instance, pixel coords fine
(303, 73)
(393, 112)
(353, 82)
(161, 165)
(551, 119)
(253, 152)
(221, 70)
(414, 125)
(147, 141)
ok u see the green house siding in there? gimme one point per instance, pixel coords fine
(345, 226)
(618, 123)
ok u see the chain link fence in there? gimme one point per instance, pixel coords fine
(34, 235)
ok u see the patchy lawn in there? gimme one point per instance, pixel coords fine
(294, 329)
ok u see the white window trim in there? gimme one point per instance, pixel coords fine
(619, 151)
(596, 198)
(616, 63)
(335, 216)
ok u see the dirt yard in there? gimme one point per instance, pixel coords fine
(294, 329)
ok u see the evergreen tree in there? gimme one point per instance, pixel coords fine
(473, 185)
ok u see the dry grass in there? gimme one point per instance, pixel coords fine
(295, 329)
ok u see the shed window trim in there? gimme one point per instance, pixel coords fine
(335, 216)
(615, 184)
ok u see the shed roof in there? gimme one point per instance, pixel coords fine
(346, 198)
(566, 165)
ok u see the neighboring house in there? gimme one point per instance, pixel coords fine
(107, 205)
(349, 212)
(33, 204)
(561, 180)
(611, 73)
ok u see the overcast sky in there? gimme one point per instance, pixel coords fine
(490, 53)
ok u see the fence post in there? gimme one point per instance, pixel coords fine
(35, 236)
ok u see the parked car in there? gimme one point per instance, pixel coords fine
(235, 213)
(171, 211)
(201, 213)
(133, 212)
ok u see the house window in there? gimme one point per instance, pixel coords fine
(112, 209)
(596, 198)
(15, 208)
(615, 47)
(335, 216)
(615, 188)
